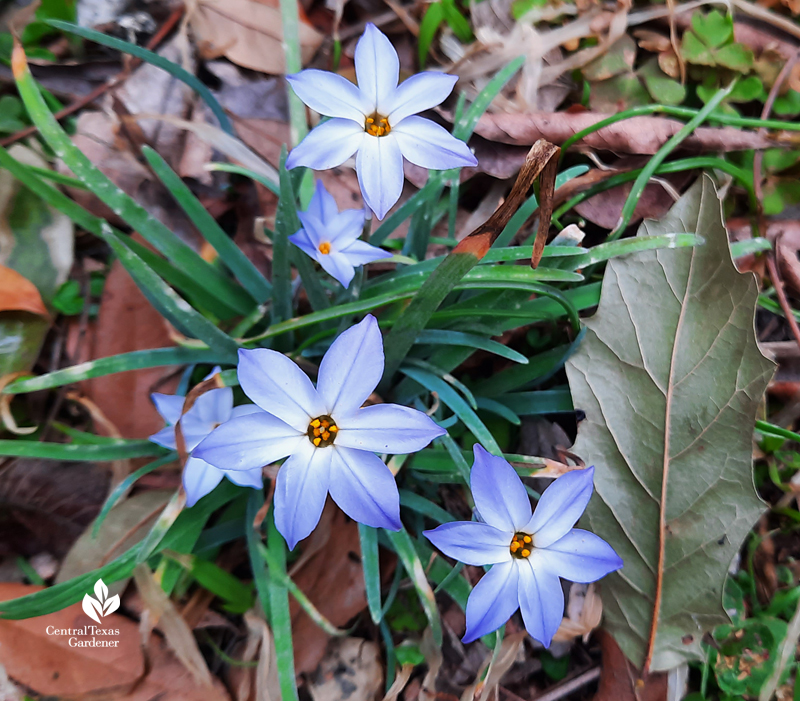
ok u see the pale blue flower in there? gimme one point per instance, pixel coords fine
(377, 121)
(330, 237)
(210, 410)
(528, 551)
(329, 439)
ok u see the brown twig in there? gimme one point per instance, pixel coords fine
(567, 688)
(777, 283)
(100, 90)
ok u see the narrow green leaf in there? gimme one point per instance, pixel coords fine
(79, 453)
(230, 254)
(404, 547)
(286, 224)
(470, 340)
(456, 403)
(135, 360)
(258, 563)
(372, 572)
(433, 17)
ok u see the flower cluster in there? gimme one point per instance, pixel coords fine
(528, 551)
(377, 121)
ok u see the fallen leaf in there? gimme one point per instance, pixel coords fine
(619, 59)
(248, 32)
(17, 293)
(351, 670)
(48, 665)
(638, 135)
(670, 400)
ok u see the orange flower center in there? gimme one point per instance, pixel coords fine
(521, 545)
(377, 125)
(322, 431)
(325, 248)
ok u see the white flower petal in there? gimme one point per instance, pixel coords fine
(361, 253)
(246, 410)
(302, 240)
(493, 600)
(379, 165)
(541, 601)
(499, 494)
(428, 145)
(330, 94)
(169, 406)
(364, 488)
(337, 266)
(313, 227)
(377, 69)
(560, 506)
(300, 491)
(471, 542)
(213, 406)
(418, 93)
(279, 387)
(387, 428)
(249, 442)
(199, 478)
(328, 145)
(351, 369)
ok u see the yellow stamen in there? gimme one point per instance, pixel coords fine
(519, 545)
(325, 248)
(377, 125)
(322, 431)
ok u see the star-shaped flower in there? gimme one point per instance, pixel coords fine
(528, 551)
(330, 237)
(210, 410)
(329, 439)
(377, 120)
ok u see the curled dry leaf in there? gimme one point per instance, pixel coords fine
(639, 135)
(247, 32)
(585, 610)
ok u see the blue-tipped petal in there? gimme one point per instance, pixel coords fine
(304, 242)
(328, 145)
(322, 204)
(278, 386)
(364, 488)
(330, 94)
(428, 145)
(541, 601)
(493, 601)
(379, 165)
(199, 478)
(165, 437)
(300, 491)
(499, 494)
(387, 428)
(377, 69)
(249, 442)
(169, 406)
(351, 369)
(560, 506)
(580, 556)
(337, 266)
(471, 542)
(345, 227)
(361, 253)
(418, 93)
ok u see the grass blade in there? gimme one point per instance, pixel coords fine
(372, 573)
(230, 254)
(79, 453)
